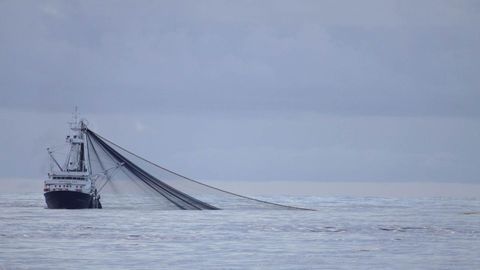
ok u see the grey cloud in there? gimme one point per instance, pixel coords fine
(378, 57)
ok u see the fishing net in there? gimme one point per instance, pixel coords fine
(118, 167)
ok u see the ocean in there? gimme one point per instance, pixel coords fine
(344, 233)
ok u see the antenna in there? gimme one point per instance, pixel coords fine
(75, 115)
(74, 123)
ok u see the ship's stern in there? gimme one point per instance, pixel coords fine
(68, 200)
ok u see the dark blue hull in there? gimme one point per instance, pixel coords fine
(70, 200)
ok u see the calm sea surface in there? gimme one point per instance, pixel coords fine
(345, 233)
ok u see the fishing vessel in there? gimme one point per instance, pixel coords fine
(92, 160)
(71, 185)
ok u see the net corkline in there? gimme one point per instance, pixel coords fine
(176, 191)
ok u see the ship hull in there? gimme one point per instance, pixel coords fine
(70, 200)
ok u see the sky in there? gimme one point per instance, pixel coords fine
(319, 91)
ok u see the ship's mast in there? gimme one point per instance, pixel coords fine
(77, 159)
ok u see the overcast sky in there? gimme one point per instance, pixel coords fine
(249, 90)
